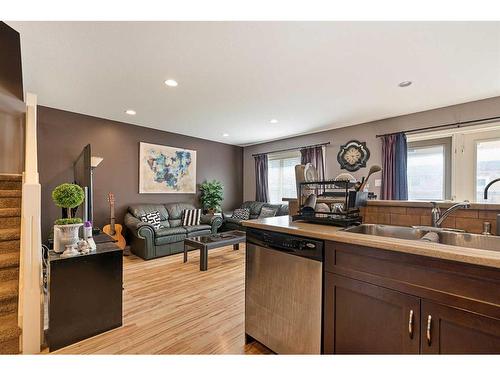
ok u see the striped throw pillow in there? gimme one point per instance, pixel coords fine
(191, 217)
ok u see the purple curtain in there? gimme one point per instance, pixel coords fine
(261, 183)
(394, 164)
(314, 155)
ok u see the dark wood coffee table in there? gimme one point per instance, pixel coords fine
(214, 241)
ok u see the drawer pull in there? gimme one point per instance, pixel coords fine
(410, 325)
(429, 326)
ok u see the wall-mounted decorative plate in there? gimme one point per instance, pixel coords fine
(353, 155)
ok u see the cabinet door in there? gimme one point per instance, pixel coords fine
(361, 318)
(447, 330)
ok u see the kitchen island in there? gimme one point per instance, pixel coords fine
(388, 295)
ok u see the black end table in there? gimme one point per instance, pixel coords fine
(85, 293)
(205, 243)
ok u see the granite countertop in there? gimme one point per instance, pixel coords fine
(284, 224)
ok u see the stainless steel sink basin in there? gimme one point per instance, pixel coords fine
(475, 241)
(404, 233)
(446, 237)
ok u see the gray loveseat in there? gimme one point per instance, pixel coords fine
(255, 208)
(148, 243)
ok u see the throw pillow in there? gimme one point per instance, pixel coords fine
(191, 217)
(267, 212)
(152, 218)
(241, 214)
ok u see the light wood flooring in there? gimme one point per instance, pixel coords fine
(171, 307)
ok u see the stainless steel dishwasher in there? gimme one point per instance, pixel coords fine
(283, 292)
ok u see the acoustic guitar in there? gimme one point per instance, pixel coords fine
(112, 229)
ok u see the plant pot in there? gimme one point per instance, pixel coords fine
(65, 235)
(210, 211)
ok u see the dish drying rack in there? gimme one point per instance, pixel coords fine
(350, 199)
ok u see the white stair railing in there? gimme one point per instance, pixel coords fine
(30, 270)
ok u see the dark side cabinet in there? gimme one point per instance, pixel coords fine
(446, 330)
(367, 319)
(85, 295)
(378, 301)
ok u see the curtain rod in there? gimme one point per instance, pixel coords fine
(451, 125)
(291, 149)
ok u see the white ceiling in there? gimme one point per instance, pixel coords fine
(236, 76)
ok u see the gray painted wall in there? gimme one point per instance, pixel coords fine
(366, 133)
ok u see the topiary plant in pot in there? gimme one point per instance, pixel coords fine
(212, 195)
(67, 196)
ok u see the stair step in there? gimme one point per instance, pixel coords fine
(8, 296)
(10, 193)
(11, 273)
(8, 260)
(10, 181)
(10, 222)
(10, 202)
(10, 212)
(10, 234)
(10, 347)
(10, 246)
(9, 328)
(11, 177)
(11, 185)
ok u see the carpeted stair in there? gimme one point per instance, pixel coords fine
(10, 231)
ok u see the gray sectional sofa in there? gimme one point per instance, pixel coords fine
(255, 208)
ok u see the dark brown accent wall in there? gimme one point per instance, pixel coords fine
(11, 76)
(62, 136)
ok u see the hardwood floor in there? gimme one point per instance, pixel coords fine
(171, 307)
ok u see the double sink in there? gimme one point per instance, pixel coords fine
(438, 235)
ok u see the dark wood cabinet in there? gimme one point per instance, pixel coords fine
(447, 330)
(369, 319)
(378, 301)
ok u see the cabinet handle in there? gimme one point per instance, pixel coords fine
(429, 324)
(410, 325)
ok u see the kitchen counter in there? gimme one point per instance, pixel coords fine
(284, 224)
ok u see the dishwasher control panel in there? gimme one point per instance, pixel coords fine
(296, 245)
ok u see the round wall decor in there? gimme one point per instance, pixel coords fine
(353, 155)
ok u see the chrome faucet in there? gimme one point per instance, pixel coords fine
(488, 186)
(438, 217)
(486, 197)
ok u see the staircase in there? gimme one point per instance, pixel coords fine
(10, 224)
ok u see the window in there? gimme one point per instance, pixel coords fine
(429, 172)
(281, 175)
(455, 164)
(487, 169)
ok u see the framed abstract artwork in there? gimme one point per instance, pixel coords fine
(164, 169)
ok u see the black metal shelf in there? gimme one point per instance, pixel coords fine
(352, 200)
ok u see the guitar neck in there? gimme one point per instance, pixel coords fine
(112, 219)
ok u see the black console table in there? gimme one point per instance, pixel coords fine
(85, 293)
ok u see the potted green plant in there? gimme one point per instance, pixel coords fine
(67, 196)
(212, 194)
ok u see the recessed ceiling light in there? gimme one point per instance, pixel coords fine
(405, 83)
(130, 112)
(225, 135)
(171, 83)
(273, 121)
